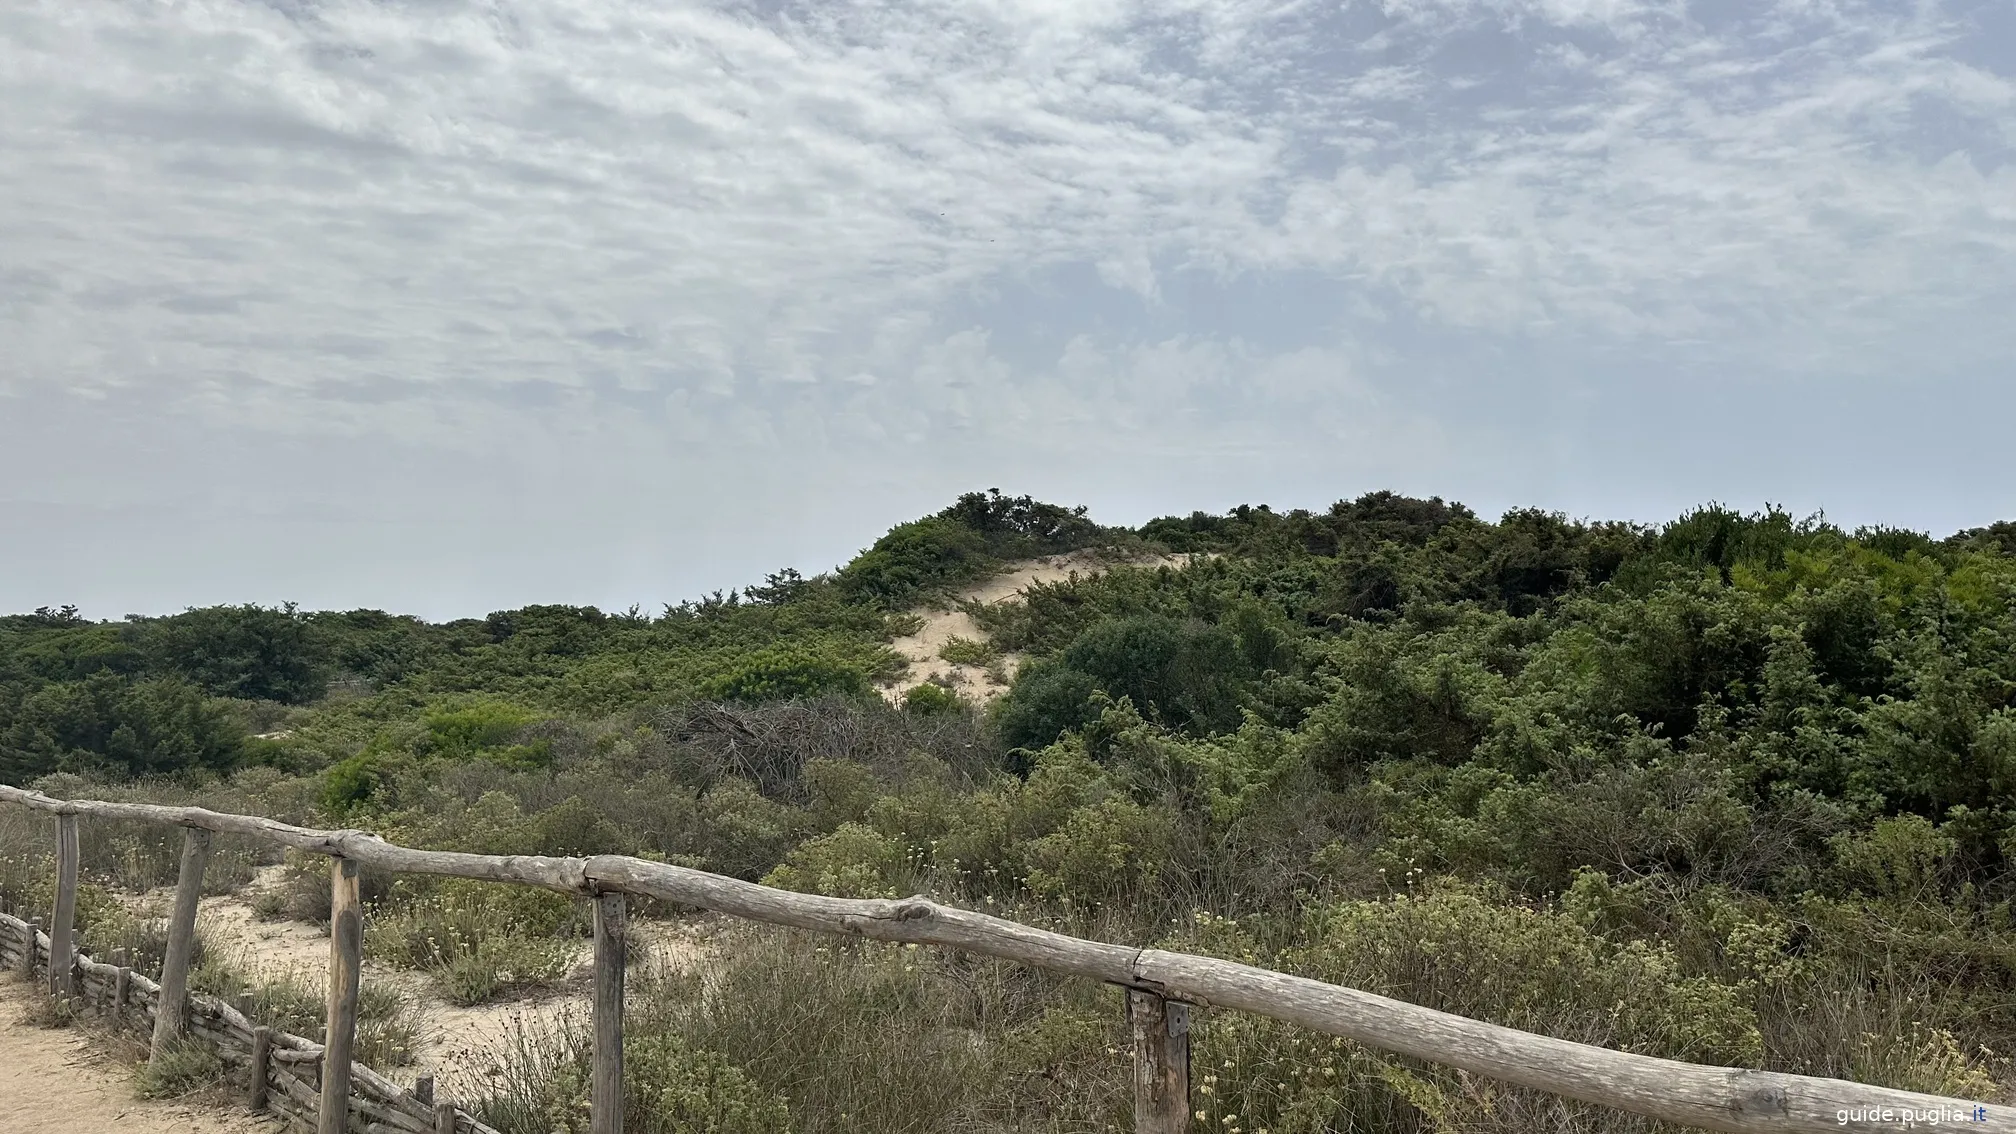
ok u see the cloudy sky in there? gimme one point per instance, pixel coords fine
(449, 305)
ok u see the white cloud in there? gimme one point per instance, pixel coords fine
(542, 190)
(807, 232)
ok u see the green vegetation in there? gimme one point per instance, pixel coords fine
(479, 941)
(183, 1068)
(931, 698)
(1735, 788)
(967, 541)
(670, 1087)
(967, 651)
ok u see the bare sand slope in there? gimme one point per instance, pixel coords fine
(62, 1082)
(943, 623)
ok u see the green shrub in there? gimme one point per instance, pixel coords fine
(1458, 951)
(856, 1036)
(251, 652)
(349, 783)
(1187, 674)
(1021, 526)
(479, 940)
(852, 862)
(785, 674)
(182, 1068)
(915, 558)
(1046, 701)
(669, 1087)
(130, 725)
(836, 792)
(1541, 970)
(929, 698)
(571, 827)
(1072, 1060)
(486, 730)
(1906, 856)
(674, 1089)
(741, 833)
(500, 966)
(967, 651)
(1105, 853)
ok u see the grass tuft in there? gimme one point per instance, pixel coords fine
(182, 1068)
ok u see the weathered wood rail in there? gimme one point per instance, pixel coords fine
(1160, 984)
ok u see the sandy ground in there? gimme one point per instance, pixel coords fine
(458, 1045)
(943, 623)
(63, 1081)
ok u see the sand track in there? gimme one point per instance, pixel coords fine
(67, 1081)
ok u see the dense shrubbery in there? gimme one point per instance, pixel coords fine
(1736, 788)
(783, 675)
(112, 723)
(669, 1088)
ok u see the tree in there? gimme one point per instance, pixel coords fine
(136, 727)
(251, 652)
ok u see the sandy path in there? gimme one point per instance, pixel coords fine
(458, 1045)
(58, 1081)
(943, 623)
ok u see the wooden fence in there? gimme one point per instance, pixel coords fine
(282, 1072)
(1160, 987)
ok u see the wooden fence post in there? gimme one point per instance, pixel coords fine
(262, 1055)
(122, 983)
(27, 961)
(346, 958)
(444, 1117)
(62, 954)
(1161, 1063)
(171, 1017)
(423, 1090)
(605, 1104)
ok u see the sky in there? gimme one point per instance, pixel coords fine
(448, 306)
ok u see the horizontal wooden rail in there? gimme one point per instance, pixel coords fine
(1713, 1098)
